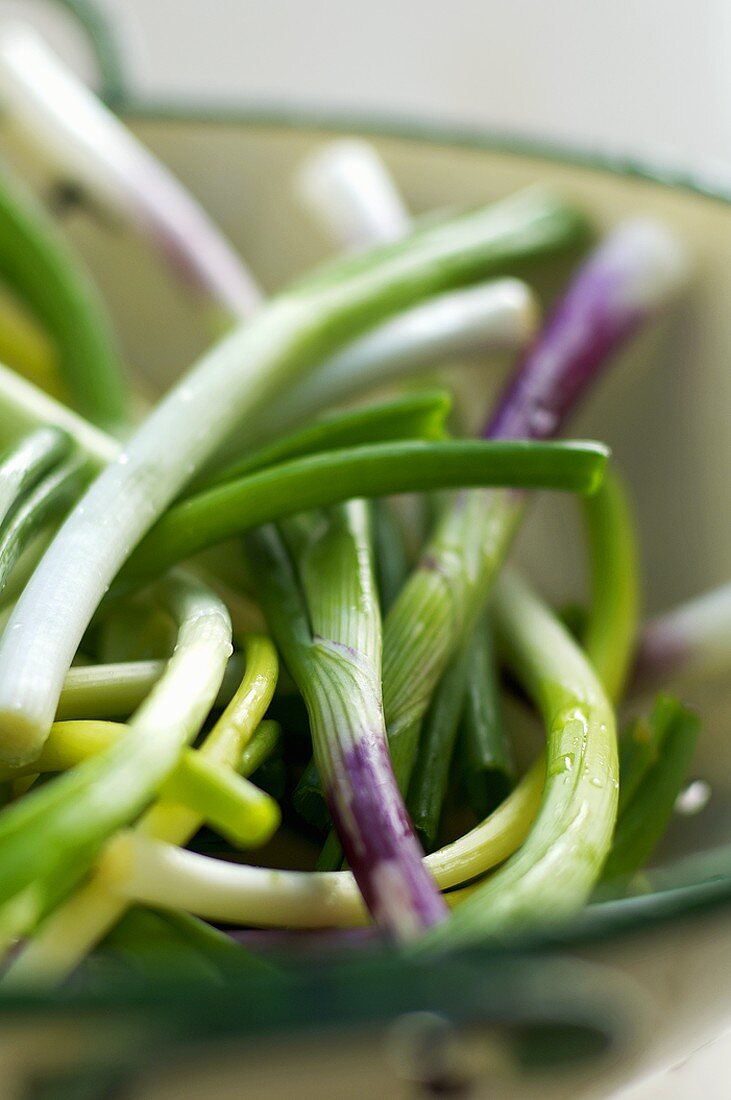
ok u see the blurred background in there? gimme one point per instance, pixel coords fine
(639, 78)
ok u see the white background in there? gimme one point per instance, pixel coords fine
(649, 78)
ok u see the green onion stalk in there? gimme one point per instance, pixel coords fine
(322, 606)
(467, 697)
(653, 789)
(487, 768)
(159, 874)
(75, 926)
(116, 690)
(420, 415)
(430, 778)
(24, 407)
(84, 807)
(497, 317)
(391, 551)
(39, 478)
(49, 111)
(50, 499)
(556, 869)
(610, 640)
(60, 295)
(319, 480)
(610, 636)
(23, 466)
(237, 378)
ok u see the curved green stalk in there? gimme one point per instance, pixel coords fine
(24, 407)
(445, 594)
(50, 281)
(48, 108)
(48, 500)
(392, 560)
(468, 694)
(323, 610)
(82, 808)
(265, 740)
(487, 766)
(647, 813)
(555, 870)
(152, 872)
(611, 630)
(25, 463)
(489, 319)
(81, 921)
(420, 415)
(116, 690)
(610, 635)
(320, 480)
(428, 786)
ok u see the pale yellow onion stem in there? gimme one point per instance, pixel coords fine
(76, 926)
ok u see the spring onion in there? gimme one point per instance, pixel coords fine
(61, 296)
(332, 648)
(54, 114)
(556, 868)
(466, 325)
(487, 766)
(417, 416)
(316, 481)
(347, 188)
(50, 499)
(429, 782)
(648, 810)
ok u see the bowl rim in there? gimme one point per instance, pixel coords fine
(283, 115)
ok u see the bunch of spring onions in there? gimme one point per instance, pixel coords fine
(275, 614)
